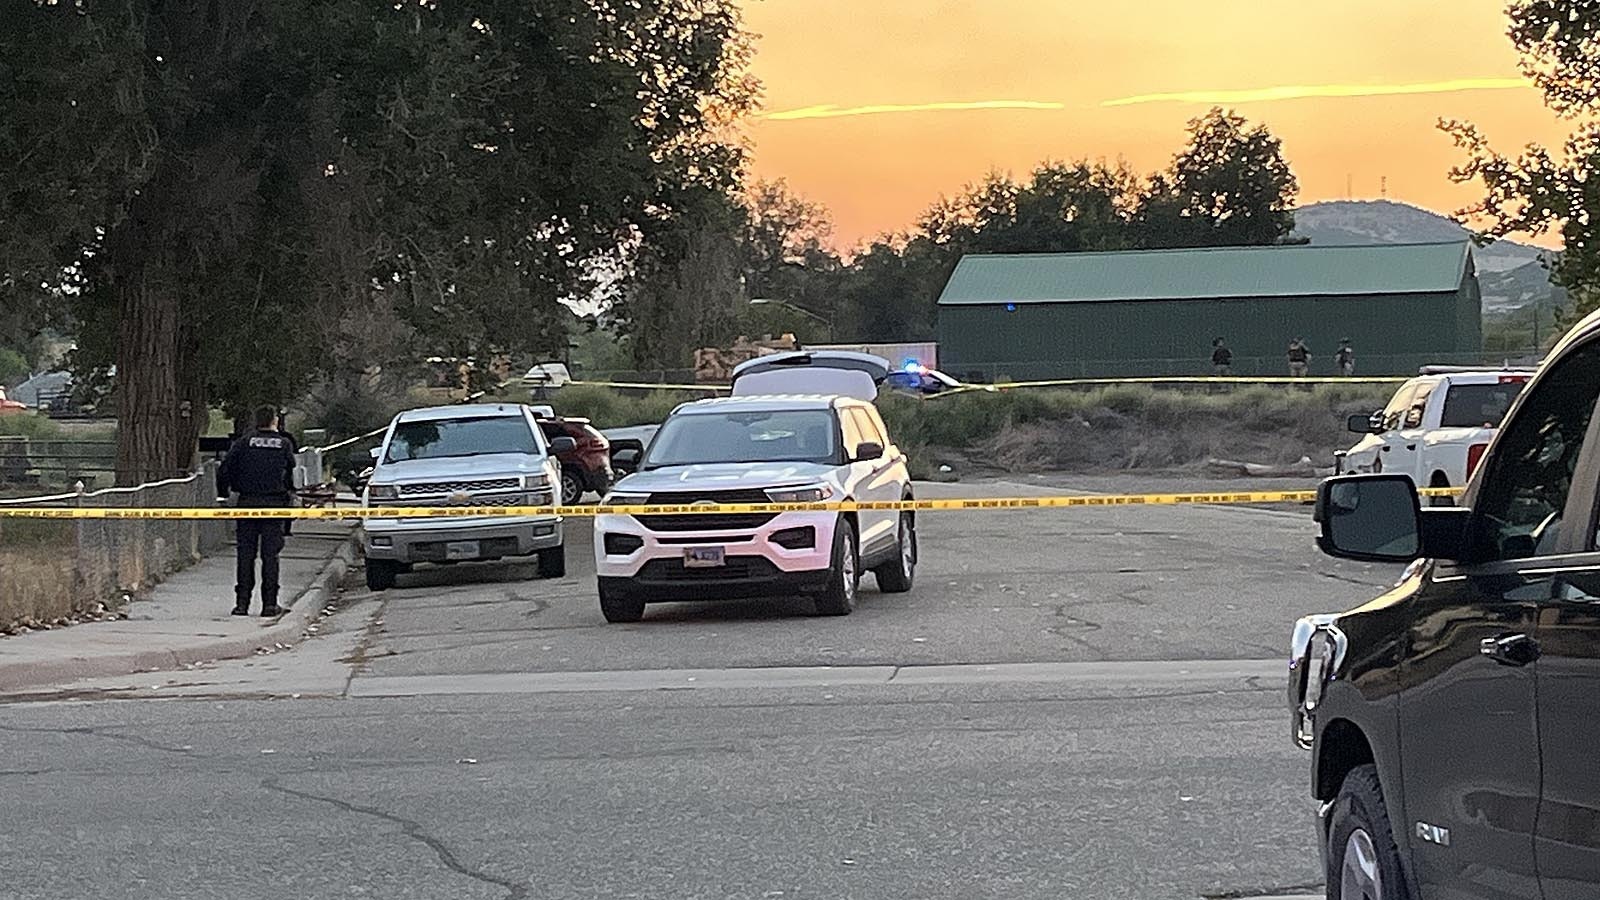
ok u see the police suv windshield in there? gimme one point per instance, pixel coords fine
(745, 437)
(444, 438)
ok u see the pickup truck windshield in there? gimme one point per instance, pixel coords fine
(461, 437)
(742, 437)
(1478, 405)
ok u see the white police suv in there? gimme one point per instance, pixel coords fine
(800, 427)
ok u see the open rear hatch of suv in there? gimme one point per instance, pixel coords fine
(841, 373)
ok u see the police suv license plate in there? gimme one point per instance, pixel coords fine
(704, 557)
(461, 550)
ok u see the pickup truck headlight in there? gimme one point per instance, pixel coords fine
(383, 493)
(1317, 651)
(534, 482)
(815, 493)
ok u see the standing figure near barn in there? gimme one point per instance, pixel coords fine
(1346, 358)
(1299, 358)
(1221, 359)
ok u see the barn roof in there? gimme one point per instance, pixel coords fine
(1208, 273)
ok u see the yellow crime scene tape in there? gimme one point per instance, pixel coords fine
(972, 504)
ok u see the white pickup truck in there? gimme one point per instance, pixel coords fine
(1436, 427)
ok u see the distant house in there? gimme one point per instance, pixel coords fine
(44, 390)
(1155, 312)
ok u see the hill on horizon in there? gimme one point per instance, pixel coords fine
(1511, 273)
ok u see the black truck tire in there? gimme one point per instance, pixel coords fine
(1363, 858)
(381, 574)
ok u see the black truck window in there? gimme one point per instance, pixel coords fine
(1519, 512)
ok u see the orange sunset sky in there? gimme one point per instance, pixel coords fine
(1377, 75)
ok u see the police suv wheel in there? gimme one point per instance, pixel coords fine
(844, 579)
(1363, 861)
(617, 604)
(895, 576)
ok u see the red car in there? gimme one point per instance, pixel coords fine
(588, 467)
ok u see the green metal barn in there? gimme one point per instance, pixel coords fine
(1156, 312)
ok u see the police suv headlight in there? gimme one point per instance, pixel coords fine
(383, 492)
(619, 499)
(811, 494)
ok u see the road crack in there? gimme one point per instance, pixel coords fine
(413, 830)
(101, 732)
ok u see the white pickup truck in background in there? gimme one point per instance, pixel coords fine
(1436, 427)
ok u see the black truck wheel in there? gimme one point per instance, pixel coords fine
(1363, 859)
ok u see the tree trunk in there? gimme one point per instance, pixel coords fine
(160, 396)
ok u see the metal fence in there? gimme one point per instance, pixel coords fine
(56, 568)
(1322, 365)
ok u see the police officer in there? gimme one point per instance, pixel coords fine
(260, 469)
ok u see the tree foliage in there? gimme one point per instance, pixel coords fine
(1231, 186)
(1539, 189)
(260, 174)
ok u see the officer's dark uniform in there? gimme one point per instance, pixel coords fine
(260, 469)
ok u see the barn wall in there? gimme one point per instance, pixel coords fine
(1392, 335)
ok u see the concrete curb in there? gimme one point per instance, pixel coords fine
(306, 607)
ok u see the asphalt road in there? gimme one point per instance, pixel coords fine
(1036, 719)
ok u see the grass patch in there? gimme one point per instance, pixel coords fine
(30, 425)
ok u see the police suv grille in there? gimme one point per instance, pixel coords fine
(737, 568)
(706, 521)
(452, 487)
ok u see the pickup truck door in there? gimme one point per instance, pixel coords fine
(1567, 839)
(1469, 710)
(1404, 446)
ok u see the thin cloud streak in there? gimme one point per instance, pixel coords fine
(1303, 92)
(830, 111)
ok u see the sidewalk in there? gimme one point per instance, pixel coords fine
(186, 618)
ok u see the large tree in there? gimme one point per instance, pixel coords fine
(1541, 190)
(223, 185)
(1230, 186)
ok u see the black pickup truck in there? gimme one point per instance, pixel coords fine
(1454, 721)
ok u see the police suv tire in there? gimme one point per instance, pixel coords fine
(896, 575)
(571, 488)
(618, 605)
(844, 578)
(381, 573)
(1359, 807)
(553, 562)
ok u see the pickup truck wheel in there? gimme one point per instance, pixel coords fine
(553, 562)
(895, 576)
(381, 573)
(571, 488)
(618, 605)
(844, 579)
(1440, 481)
(1363, 859)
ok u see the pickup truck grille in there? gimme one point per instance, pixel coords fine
(452, 487)
(535, 499)
(706, 521)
